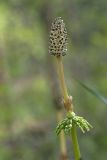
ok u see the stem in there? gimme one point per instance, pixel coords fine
(66, 98)
(62, 138)
(61, 77)
(75, 143)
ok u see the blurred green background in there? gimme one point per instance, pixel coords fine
(27, 111)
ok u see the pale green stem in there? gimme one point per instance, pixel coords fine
(75, 143)
(61, 77)
(65, 96)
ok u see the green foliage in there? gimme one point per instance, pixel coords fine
(93, 91)
(67, 124)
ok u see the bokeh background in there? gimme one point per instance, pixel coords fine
(28, 97)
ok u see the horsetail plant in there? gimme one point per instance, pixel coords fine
(58, 48)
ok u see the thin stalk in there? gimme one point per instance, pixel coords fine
(61, 77)
(75, 143)
(66, 97)
(62, 138)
